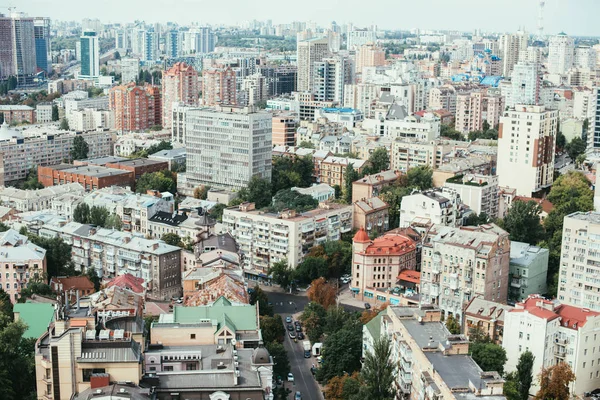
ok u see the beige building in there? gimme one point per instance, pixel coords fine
(443, 97)
(20, 262)
(473, 108)
(309, 52)
(371, 185)
(219, 87)
(487, 317)
(284, 130)
(430, 362)
(526, 144)
(369, 55)
(479, 192)
(333, 169)
(180, 85)
(266, 238)
(371, 214)
(460, 263)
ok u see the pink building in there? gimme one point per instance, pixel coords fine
(180, 84)
(219, 87)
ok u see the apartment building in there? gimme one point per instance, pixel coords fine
(136, 108)
(371, 185)
(18, 114)
(24, 149)
(227, 146)
(330, 75)
(479, 192)
(394, 122)
(440, 208)
(180, 84)
(369, 55)
(431, 363)
(265, 238)
(186, 224)
(460, 263)
(309, 52)
(21, 261)
(36, 200)
(554, 333)
(578, 282)
(333, 169)
(526, 142)
(111, 253)
(90, 119)
(371, 214)
(219, 87)
(320, 192)
(408, 154)
(528, 270)
(43, 112)
(284, 130)
(487, 317)
(473, 108)
(443, 97)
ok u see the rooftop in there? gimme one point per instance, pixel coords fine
(169, 154)
(380, 177)
(15, 247)
(390, 244)
(137, 162)
(92, 171)
(456, 370)
(102, 161)
(372, 204)
(523, 254)
(37, 316)
(486, 309)
(427, 334)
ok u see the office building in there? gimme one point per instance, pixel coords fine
(554, 333)
(41, 27)
(430, 362)
(266, 238)
(284, 130)
(526, 144)
(219, 87)
(136, 108)
(487, 317)
(512, 46)
(561, 54)
(90, 55)
(460, 263)
(17, 48)
(22, 261)
(528, 270)
(130, 68)
(309, 52)
(179, 85)
(360, 37)
(229, 159)
(479, 192)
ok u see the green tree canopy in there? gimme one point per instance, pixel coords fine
(350, 176)
(58, 255)
(260, 297)
(341, 351)
(98, 216)
(525, 373)
(172, 239)
(306, 145)
(113, 221)
(489, 356)
(16, 360)
(310, 269)
(80, 148)
(288, 172)
(378, 371)
(450, 133)
(272, 328)
(282, 273)
(453, 325)
(293, 200)
(217, 211)
(379, 160)
(257, 192)
(163, 181)
(522, 222)
(55, 115)
(575, 147)
(420, 177)
(313, 318)
(280, 357)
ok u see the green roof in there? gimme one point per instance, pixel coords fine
(37, 316)
(374, 325)
(238, 317)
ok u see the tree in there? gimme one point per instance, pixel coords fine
(393, 195)
(288, 172)
(511, 387)
(561, 140)
(55, 115)
(322, 292)
(81, 213)
(338, 191)
(64, 125)
(272, 328)
(117, 55)
(201, 192)
(3, 227)
(35, 286)
(306, 145)
(475, 220)
(16, 360)
(349, 177)
(339, 258)
(6, 306)
(368, 315)
(489, 356)
(310, 269)
(58, 255)
(450, 133)
(342, 351)
(523, 222)
(313, 318)
(98, 216)
(257, 192)
(485, 125)
(94, 278)
(378, 371)
(280, 358)
(379, 160)
(293, 200)
(163, 181)
(575, 147)
(554, 382)
(80, 148)
(216, 211)
(281, 273)
(453, 325)
(113, 221)
(260, 297)
(525, 374)
(420, 177)
(172, 239)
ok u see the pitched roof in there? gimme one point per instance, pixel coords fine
(409, 275)
(486, 309)
(545, 204)
(361, 236)
(243, 316)
(37, 316)
(127, 281)
(391, 244)
(574, 317)
(73, 282)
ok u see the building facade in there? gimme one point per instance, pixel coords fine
(180, 84)
(528, 270)
(219, 87)
(309, 52)
(90, 55)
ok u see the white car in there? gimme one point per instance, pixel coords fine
(290, 377)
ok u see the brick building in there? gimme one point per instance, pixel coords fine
(90, 177)
(139, 166)
(284, 130)
(136, 108)
(18, 114)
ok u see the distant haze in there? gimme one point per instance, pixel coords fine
(575, 17)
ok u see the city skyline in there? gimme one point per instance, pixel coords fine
(461, 15)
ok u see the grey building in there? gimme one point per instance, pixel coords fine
(17, 48)
(528, 270)
(227, 146)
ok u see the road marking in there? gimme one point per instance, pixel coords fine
(300, 368)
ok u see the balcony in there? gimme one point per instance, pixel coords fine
(436, 267)
(516, 283)
(434, 290)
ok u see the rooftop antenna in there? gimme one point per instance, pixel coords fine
(540, 21)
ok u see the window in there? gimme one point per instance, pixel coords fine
(520, 335)
(192, 336)
(168, 368)
(87, 373)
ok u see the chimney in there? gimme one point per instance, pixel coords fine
(77, 292)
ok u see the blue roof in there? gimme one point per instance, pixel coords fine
(339, 110)
(491, 81)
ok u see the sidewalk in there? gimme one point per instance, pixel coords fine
(346, 297)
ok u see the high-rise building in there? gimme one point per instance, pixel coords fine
(135, 107)
(254, 89)
(329, 78)
(525, 84)
(41, 28)
(309, 52)
(593, 145)
(473, 108)
(179, 85)
(585, 57)
(512, 46)
(230, 158)
(526, 141)
(90, 55)
(219, 87)
(150, 40)
(174, 43)
(561, 54)
(369, 55)
(17, 48)
(360, 37)
(130, 68)
(284, 130)
(205, 40)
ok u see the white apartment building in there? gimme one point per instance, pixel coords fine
(561, 54)
(442, 98)
(96, 103)
(265, 238)
(360, 96)
(130, 143)
(460, 263)
(227, 146)
(178, 122)
(398, 124)
(330, 76)
(43, 113)
(440, 208)
(407, 154)
(525, 85)
(90, 119)
(309, 52)
(554, 333)
(585, 58)
(112, 253)
(511, 47)
(36, 200)
(526, 141)
(579, 278)
(130, 68)
(360, 37)
(479, 192)
(24, 149)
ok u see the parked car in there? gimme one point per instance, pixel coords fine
(298, 328)
(292, 335)
(288, 319)
(297, 323)
(290, 377)
(298, 396)
(300, 336)
(367, 306)
(290, 327)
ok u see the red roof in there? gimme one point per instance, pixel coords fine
(574, 317)
(538, 306)
(73, 282)
(127, 281)
(570, 317)
(545, 204)
(409, 275)
(361, 236)
(391, 244)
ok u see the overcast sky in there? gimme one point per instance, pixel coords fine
(575, 17)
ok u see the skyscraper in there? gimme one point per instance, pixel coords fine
(329, 77)
(90, 55)
(41, 28)
(136, 107)
(205, 40)
(512, 46)
(230, 158)
(174, 43)
(150, 45)
(525, 84)
(219, 87)
(309, 52)
(561, 54)
(17, 48)
(179, 85)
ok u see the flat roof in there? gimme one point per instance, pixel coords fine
(94, 171)
(456, 370)
(139, 162)
(428, 334)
